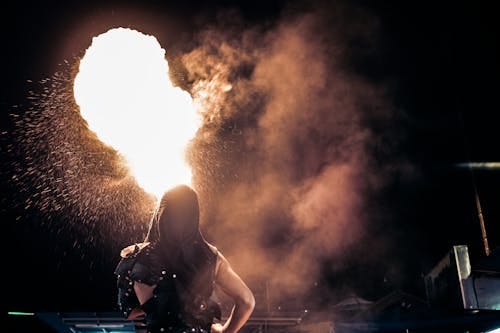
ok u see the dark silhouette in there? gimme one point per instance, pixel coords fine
(169, 278)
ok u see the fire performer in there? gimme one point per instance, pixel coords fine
(169, 278)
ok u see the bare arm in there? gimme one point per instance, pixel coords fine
(234, 287)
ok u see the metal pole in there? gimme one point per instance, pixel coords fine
(479, 209)
(481, 218)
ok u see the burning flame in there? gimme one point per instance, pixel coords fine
(125, 94)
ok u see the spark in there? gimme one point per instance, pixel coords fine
(124, 93)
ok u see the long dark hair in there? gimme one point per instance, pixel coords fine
(175, 229)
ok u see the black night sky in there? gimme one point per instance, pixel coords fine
(438, 63)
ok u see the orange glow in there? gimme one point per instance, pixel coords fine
(125, 94)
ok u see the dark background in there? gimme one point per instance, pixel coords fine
(441, 56)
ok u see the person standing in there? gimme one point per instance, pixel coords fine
(169, 278)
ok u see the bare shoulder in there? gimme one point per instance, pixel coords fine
(221, 261)
(220, 258)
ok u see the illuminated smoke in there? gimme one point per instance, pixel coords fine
(284, 160)
(125, 94)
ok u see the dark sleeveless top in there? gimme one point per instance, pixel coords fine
(180, 302)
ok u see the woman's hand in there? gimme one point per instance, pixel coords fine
(217, 328)
(136, 314)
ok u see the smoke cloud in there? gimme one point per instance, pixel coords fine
(286, 161)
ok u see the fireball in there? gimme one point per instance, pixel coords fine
(124, 93)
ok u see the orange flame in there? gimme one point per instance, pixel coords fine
(124, 93)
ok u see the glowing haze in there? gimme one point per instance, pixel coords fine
(125, 94)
